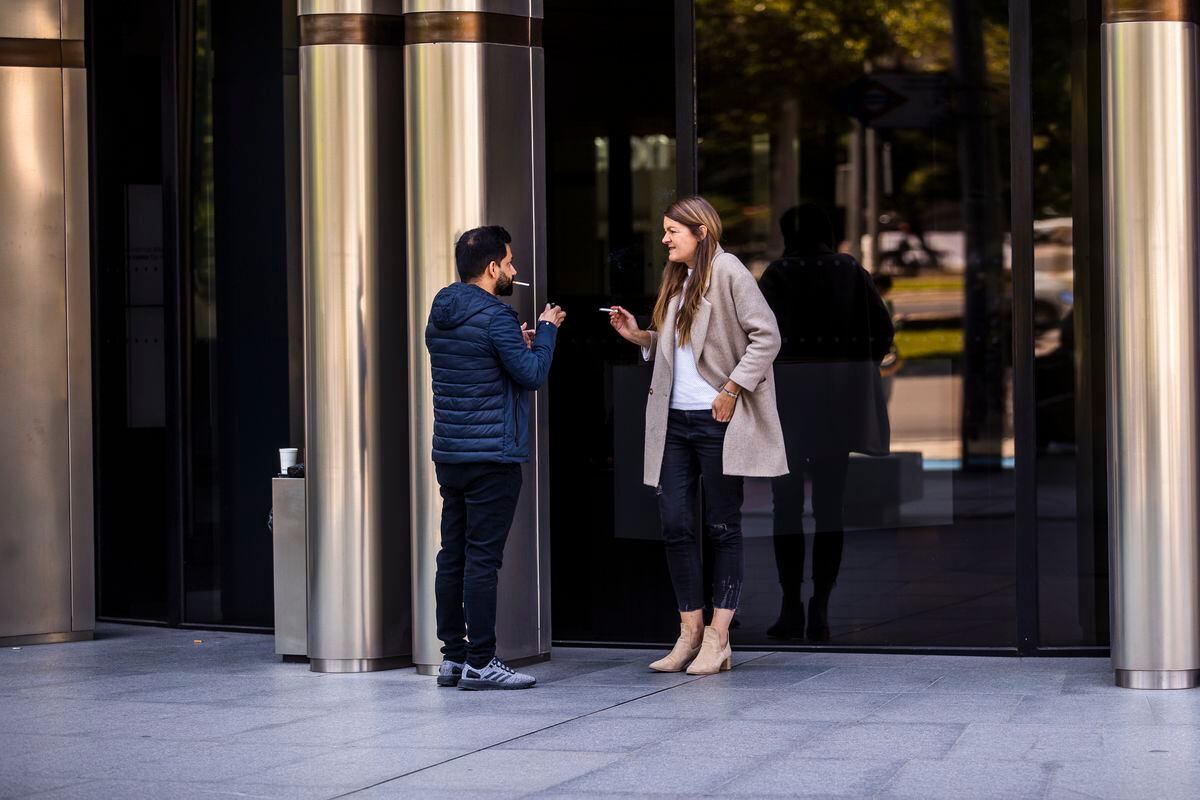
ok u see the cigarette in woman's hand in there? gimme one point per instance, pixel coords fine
(607, 310)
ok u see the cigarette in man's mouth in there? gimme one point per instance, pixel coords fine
(520, 283)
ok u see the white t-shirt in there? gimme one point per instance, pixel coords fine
(689, 390)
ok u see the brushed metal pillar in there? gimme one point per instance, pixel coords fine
(1151, 185)
(352, 190)
(47, 589)
(474, 135)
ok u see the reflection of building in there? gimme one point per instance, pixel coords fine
(984, 532)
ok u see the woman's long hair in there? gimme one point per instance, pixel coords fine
(691, 212)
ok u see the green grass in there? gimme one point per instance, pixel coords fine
(936, 282)
(932, 343)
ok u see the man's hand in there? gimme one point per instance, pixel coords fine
(553, 314)
(528, 334)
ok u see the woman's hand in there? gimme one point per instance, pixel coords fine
(723, 406)
(624, 323)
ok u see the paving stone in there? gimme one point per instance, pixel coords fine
(796, 776)
(884, 741)
(943, 780)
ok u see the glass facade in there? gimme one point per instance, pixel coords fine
(898, 525)
(910, 494)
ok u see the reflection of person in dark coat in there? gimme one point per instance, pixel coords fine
(835, 329)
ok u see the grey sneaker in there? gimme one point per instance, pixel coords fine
(449, 673)
(496, 675)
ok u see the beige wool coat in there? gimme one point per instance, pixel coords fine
(734, 337)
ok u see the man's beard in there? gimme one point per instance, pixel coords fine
(504, 286)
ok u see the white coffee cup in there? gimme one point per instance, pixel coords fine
(287, 458)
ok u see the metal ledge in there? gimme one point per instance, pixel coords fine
(1149, 11)
(47, 638)
(1157, 678)
(348, 665)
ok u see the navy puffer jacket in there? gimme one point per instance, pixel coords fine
(482, 374)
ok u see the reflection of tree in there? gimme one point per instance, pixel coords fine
(763, 64)
(1051, 109)
(985, 325)
(758, 60)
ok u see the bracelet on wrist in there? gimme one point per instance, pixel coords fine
(734, 395)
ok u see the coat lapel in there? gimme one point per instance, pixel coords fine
(667, 335)
(700, 328)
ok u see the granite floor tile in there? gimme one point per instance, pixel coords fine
(795, 776)
(945, 780)
(650, 772)
(1000, 679)
(358, 766)
(757, 676)
(873, 679)
(1160, 780)
(173, 790)
(1125, 708)
(694, 701)
(808, 706)
(89, 758)
(504, 771)
(468, 732)
(603, 734)
(878, 660)
(218, 723)
(145, 712)
(631, 674)
(1135, 744)
(216, 762)
(945, 707)
(983, 742)
(18, 787)
(884, 741)
(1175, 708)
(739, 738)
(329, 729)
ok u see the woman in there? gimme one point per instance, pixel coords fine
(710, 413)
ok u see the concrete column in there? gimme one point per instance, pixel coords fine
(1151, 181)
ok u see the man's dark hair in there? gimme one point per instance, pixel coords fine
(806, 226)
(479, 247)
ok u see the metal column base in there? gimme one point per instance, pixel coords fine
(1157, 678)
(358, 664)
(47, 638)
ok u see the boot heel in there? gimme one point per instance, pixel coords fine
(727, 664)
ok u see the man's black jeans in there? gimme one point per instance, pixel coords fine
(478, 503)
(693, 448)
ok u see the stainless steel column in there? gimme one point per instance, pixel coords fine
(1151, 186)
(352, 187)
(474, 135)
(47, 590)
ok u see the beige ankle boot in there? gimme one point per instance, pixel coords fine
(713, 657)
(681, 654)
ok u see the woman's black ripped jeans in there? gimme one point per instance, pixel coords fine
(693, 448)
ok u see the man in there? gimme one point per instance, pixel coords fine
(484, 366)
(836, 329)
